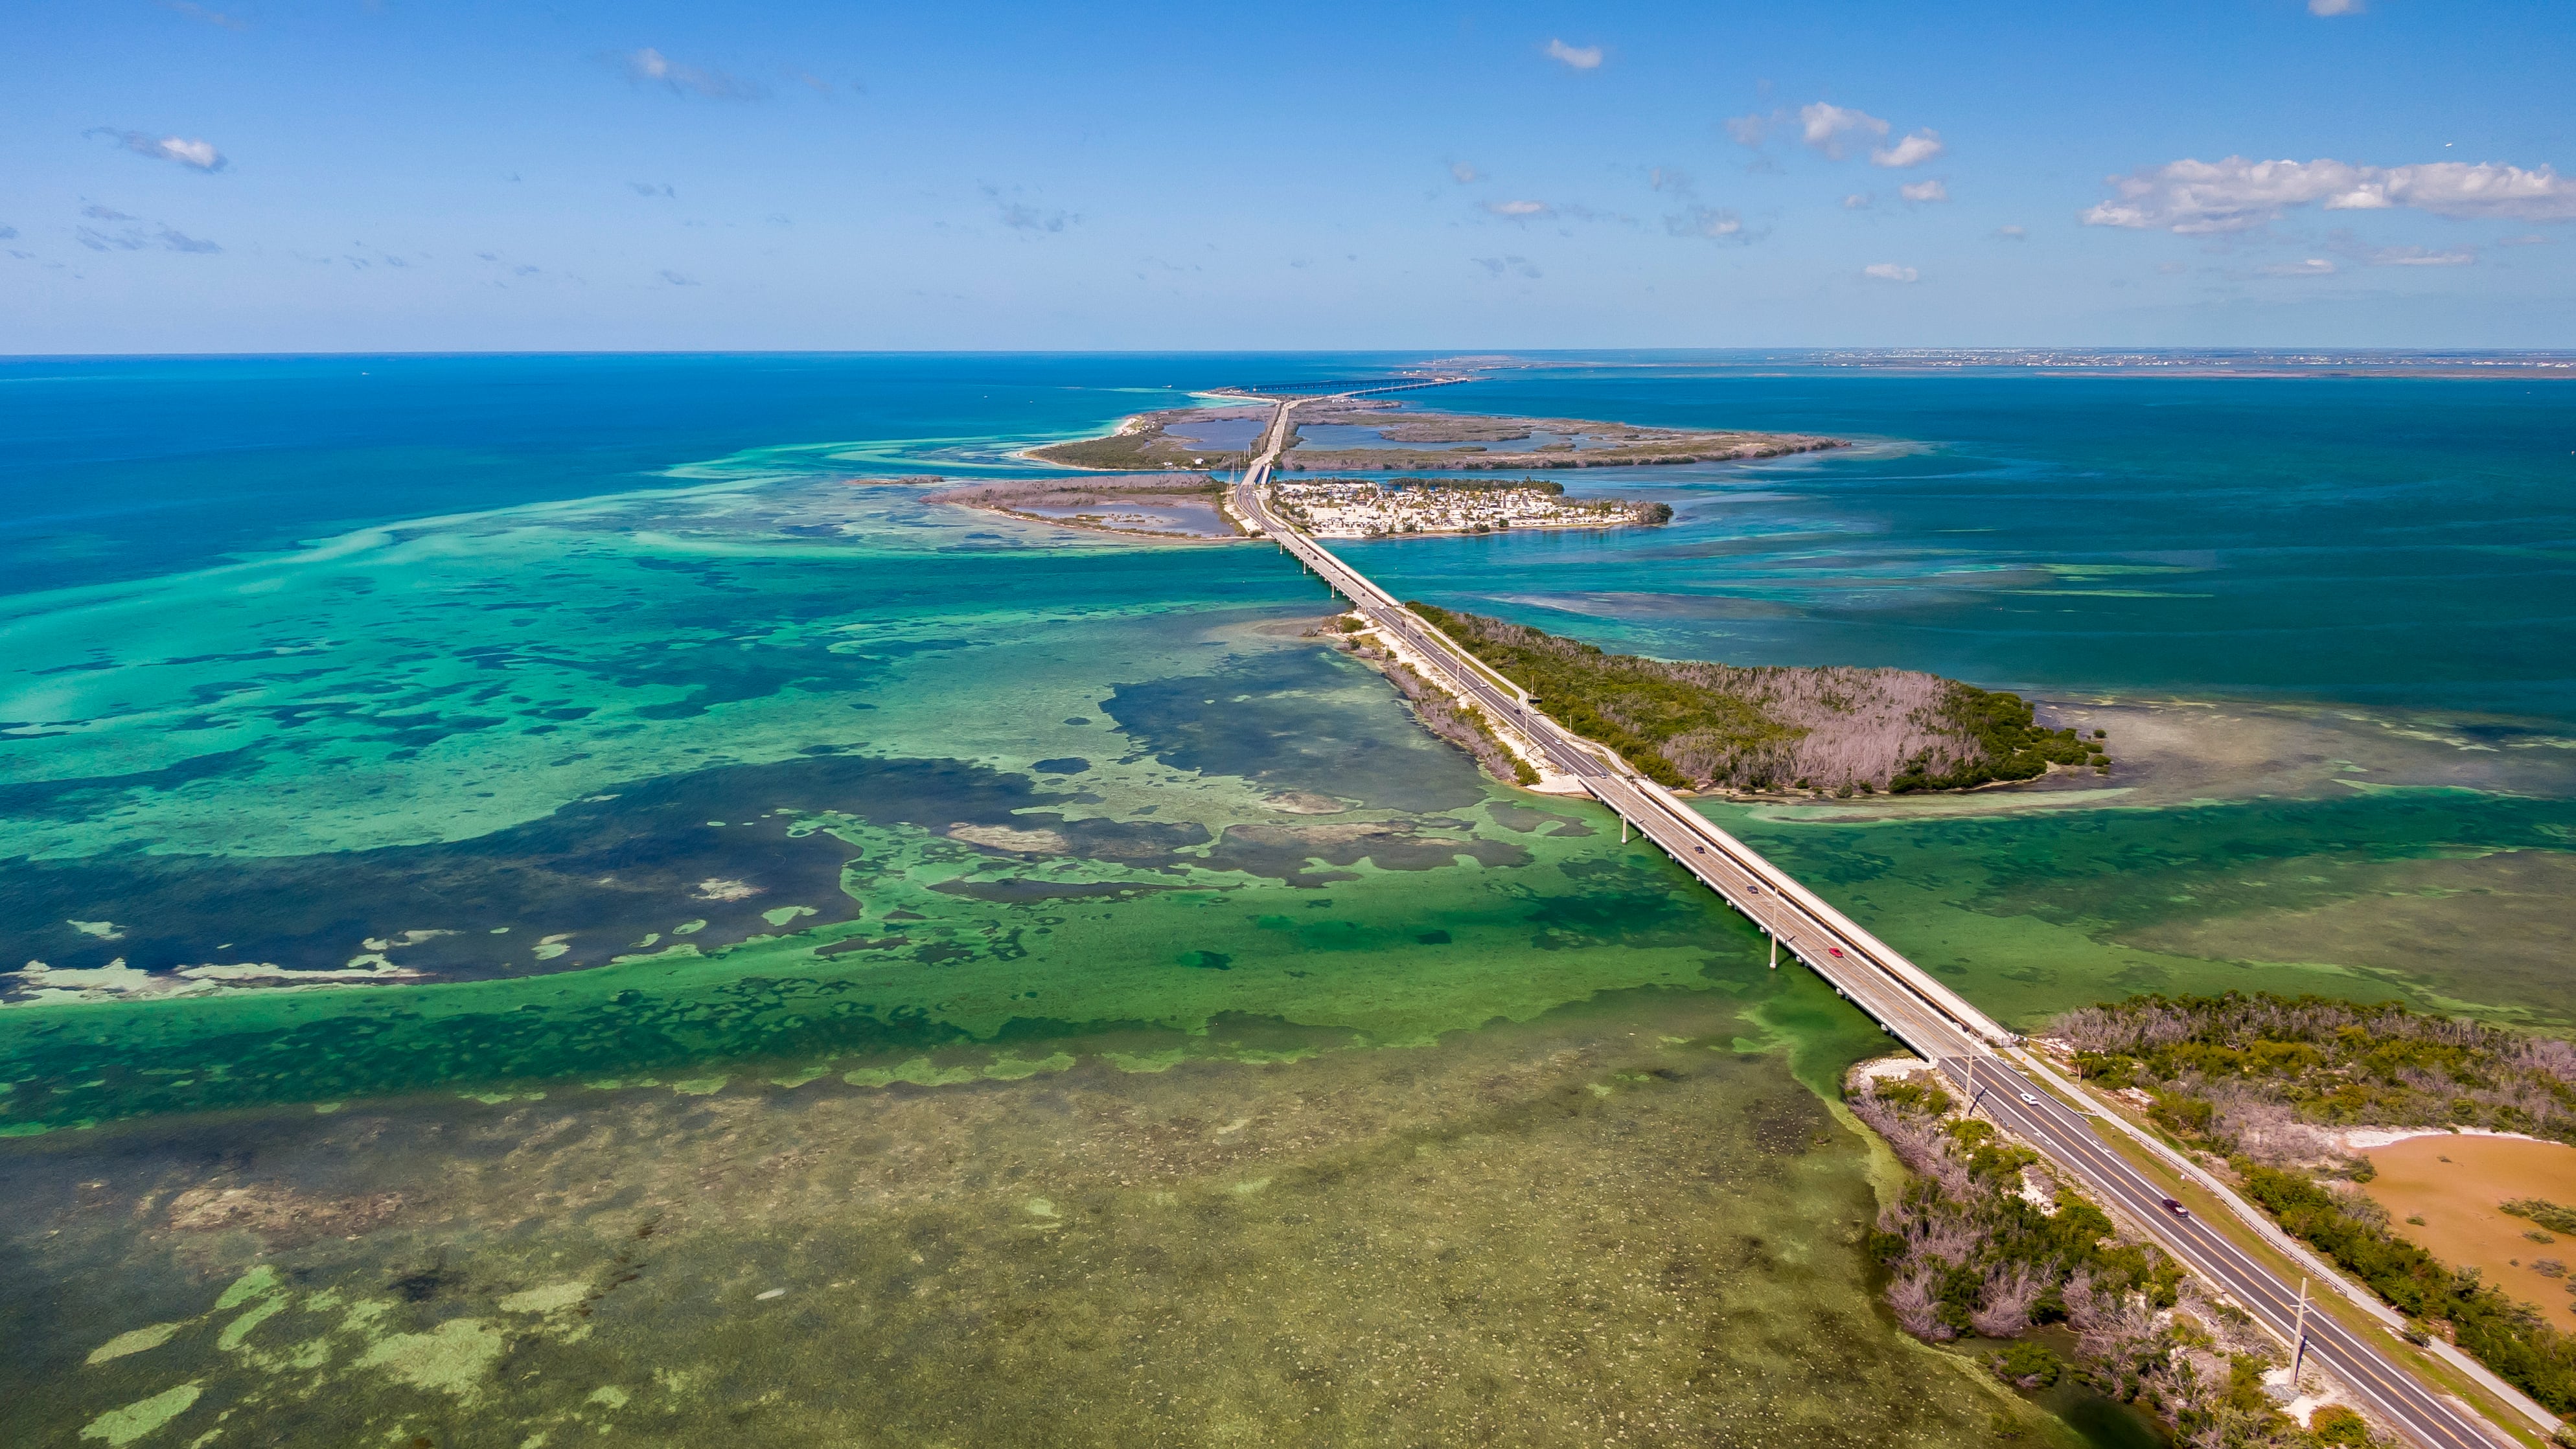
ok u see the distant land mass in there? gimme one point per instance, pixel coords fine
(1355, 435)
(2172, 361)
(1156, 505)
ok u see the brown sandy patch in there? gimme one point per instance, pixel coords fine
(280, 1215)
(2173, 750)
(2454, 1184)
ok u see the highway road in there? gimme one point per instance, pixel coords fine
(2395, 1395)
(1936, 1023)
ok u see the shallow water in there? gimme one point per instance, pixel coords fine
(825, 881)
(1624, 1221)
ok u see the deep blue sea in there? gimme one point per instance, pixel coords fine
(2406, 542)
(549, 896)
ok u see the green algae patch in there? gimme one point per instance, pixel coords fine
(918, 1071)
(610, 1395)
(1012, 1069)
(977, 952)
(124, 1426)
(133, 1340)
(362, 1315)
(240, 1328)
(258, 1282)
(452, 1358)
(550, 1298)
(699, 1086)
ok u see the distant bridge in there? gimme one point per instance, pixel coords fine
(1345, 387)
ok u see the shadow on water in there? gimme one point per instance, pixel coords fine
(2102, 1423)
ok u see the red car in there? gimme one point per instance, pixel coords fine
(2176, 1208)
(1837, 950)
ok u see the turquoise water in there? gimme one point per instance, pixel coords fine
(2396, 542)
(673, 827)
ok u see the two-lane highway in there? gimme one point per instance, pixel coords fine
(2072, 1146)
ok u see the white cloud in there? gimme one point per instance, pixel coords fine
(1825, 126)
(2013, 233)
(1857, 201)
(1707, 222)
(1020, 216)
(2194, 197)
(1924, 192)
(1748, 130)
(652, 65)
(1467, 175)
(677, 279)
(1914, 150)
(1890, 272)
(199, 12)
(2311, 267)
(1667, 178)
(2422, 257)
(1581, 57)
(2532, 239)
(133, 234)
(1520, 210)
(2334, 7)
(199, 154)
(1511, 266)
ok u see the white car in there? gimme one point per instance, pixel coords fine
(2027, 1097)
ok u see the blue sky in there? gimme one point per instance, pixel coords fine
(263, 175)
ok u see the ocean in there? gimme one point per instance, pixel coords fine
(1099, 1009)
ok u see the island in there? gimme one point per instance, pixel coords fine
(1367, 508)
(1351, 435)
(1151, 505)
(1767, 730)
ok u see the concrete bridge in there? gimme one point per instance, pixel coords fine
(1975, 1052)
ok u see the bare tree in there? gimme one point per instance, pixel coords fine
(1912, 1298)
(2005, 1300)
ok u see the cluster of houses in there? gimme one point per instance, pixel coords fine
(1365, 508)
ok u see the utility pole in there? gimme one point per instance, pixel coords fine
(2299, 1337)
(1775, 949)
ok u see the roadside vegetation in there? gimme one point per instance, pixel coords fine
(1985, 1245)
(2261, 1081)
(2266, 1077)
(1837, 731)
(2505, 1334)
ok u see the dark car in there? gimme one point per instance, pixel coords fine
(2176, 1208)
